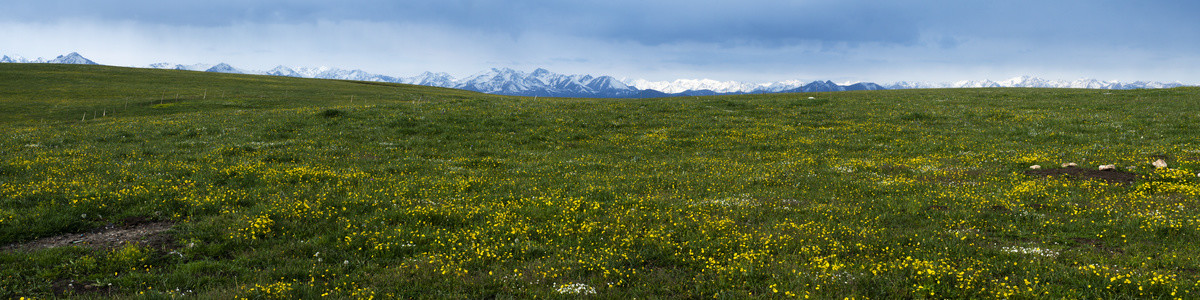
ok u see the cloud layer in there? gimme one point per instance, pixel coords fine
(658, 40)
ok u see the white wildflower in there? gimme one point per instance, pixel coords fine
(576, 289)
(740, 200)
(1031, 250)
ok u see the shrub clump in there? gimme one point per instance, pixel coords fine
(332, 113)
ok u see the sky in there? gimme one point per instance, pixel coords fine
(746, 40)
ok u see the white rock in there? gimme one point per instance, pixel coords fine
(1108, 167)
(1035, 167)
(1069, 165)
(1159, 164)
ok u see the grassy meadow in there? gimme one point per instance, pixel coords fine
(280, 188)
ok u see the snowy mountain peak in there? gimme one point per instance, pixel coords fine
(72, 58)
(432, 79)
(283, 71)
(607, 83)
(224, 68)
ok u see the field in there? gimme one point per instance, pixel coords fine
(222, 186)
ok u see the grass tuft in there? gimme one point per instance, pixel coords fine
(332, 113)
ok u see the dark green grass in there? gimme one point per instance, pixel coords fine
(285, 188)
(47, 93)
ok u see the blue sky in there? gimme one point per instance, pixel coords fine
(749, 40)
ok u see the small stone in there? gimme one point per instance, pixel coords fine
(1069, 165)
(1159, 164)
(1035, 167)
(1108, 167)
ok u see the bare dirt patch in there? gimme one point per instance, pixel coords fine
(134, 230)
(73, 287)
(1110, 176)
(146, 234)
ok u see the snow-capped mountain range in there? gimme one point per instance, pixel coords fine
(683, 85)
(541, 82)
(503, 81)
(72, 58)
(1029, 81)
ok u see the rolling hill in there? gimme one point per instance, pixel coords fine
(142, 183)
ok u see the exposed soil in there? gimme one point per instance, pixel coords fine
(71, 287)
(1110, 176)
(137, 230)
(146, 234)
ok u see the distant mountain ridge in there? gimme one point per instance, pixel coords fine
(71, 58)
(1034, 82)
(542, 82)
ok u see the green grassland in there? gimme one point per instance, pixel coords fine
(281, 187)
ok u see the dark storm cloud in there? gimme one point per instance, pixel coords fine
(763, 23)
(973, 38)
(645, 22)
